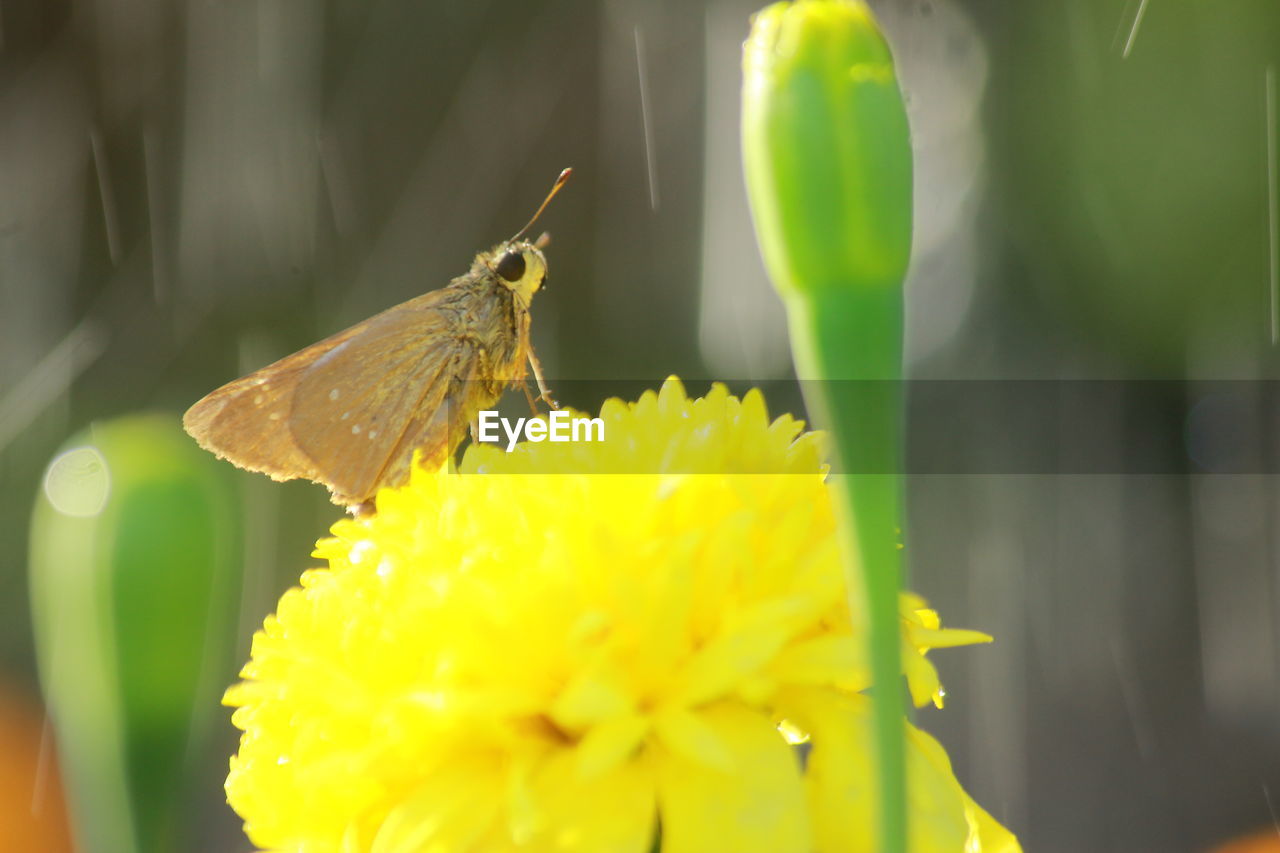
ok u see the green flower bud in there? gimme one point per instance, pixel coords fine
(826, 147)
(135, 566)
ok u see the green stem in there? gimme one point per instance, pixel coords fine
(851, 340)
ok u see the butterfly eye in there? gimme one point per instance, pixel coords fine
(511, 267)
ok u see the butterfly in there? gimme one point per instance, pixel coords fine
(351, 410)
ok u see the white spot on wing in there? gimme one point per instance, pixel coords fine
(333, 395)
(355, 430)
(346, 415)
(257, 399)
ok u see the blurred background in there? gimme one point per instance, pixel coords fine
(190, 190)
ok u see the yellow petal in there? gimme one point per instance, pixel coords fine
(609, 743)
(945, 638)
(614, 812)
(922, 677)
(757, 807)
(445, 813)
(723, 662)
(693, 738)
(985, 834)
(588, 699)
(841, 782)
(826, 659)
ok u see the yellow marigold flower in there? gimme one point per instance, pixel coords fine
(524, 660)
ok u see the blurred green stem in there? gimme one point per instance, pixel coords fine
(851, 339)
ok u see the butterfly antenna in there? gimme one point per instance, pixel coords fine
(555, 188)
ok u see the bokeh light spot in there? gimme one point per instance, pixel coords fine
(78, 482)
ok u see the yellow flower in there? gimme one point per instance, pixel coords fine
(523, 660)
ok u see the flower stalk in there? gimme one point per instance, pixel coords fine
(827, 155)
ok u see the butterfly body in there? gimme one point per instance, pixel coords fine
(351, 410)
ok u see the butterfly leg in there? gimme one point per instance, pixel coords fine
(545, 393)
(533, 403)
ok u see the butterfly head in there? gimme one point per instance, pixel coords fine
(519, 265)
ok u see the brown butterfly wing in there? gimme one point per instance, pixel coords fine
(281, 420)
(432, 419)
(361, 410)
(247, 421)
